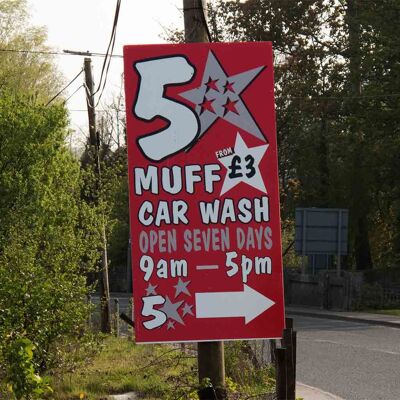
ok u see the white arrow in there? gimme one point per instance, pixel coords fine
(248, 304)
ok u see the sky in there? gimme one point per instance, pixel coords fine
(83, 25)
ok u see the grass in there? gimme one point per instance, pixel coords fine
(155, 372)
(152, 371)
(394, 311)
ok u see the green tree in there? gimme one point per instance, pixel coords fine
(32, 73)
(112, 191)
(48, 235)
(44, 230)
(337, 97)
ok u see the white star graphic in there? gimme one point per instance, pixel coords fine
(170, 325)
(181, 287)
(219, 96)
(171, 310)
(151, 290)
(243, 166)
(187, 309)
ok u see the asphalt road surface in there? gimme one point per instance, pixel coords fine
(351, 360)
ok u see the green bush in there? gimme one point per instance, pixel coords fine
(48, 240)
(246, 374)
(21, 379)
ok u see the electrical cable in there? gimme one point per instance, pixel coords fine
(112, 48)
(76, 91)
(311, 98)
(87, 92)
(105, 78)
(109, 52)
(83, 110)
(315, 98)
(67, 86)
(60, 53)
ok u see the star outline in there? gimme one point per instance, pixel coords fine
(262, 69)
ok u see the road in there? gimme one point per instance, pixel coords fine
(354, 361)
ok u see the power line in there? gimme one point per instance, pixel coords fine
(109, 52)
(315, 98)
(60, 53)
(77, 90)
(311, 98)
(87, 91)
(82, 110)
(374, 96)
(68, 85)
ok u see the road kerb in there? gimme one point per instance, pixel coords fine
(337, 316)
(307, 392)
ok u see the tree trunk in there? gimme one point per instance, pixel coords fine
(359, 202)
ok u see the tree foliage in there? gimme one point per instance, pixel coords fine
(337, 99)
(32, 73)
(109, 192)
(44, 231)
(48, 235)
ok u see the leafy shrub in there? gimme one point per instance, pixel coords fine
(47, 240)
(21, 378)
(246, 374)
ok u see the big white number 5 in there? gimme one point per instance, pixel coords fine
(148, 310)
(151, 102)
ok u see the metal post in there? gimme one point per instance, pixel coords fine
(327, 290)
(339, 253)
(294, 352)
(116, 301)
(303, 257)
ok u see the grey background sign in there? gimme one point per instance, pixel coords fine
(321, 231)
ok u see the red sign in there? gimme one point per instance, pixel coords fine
(204, 197)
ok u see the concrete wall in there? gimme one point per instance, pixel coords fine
(323, 290)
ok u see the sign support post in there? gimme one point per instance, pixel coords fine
(303, 256)
(339, 253)
(210, 355)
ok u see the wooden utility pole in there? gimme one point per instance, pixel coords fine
(211, 365)
(95, 146)
(194, 12)
(210, 354)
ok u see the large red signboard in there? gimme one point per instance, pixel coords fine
(204, 197)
